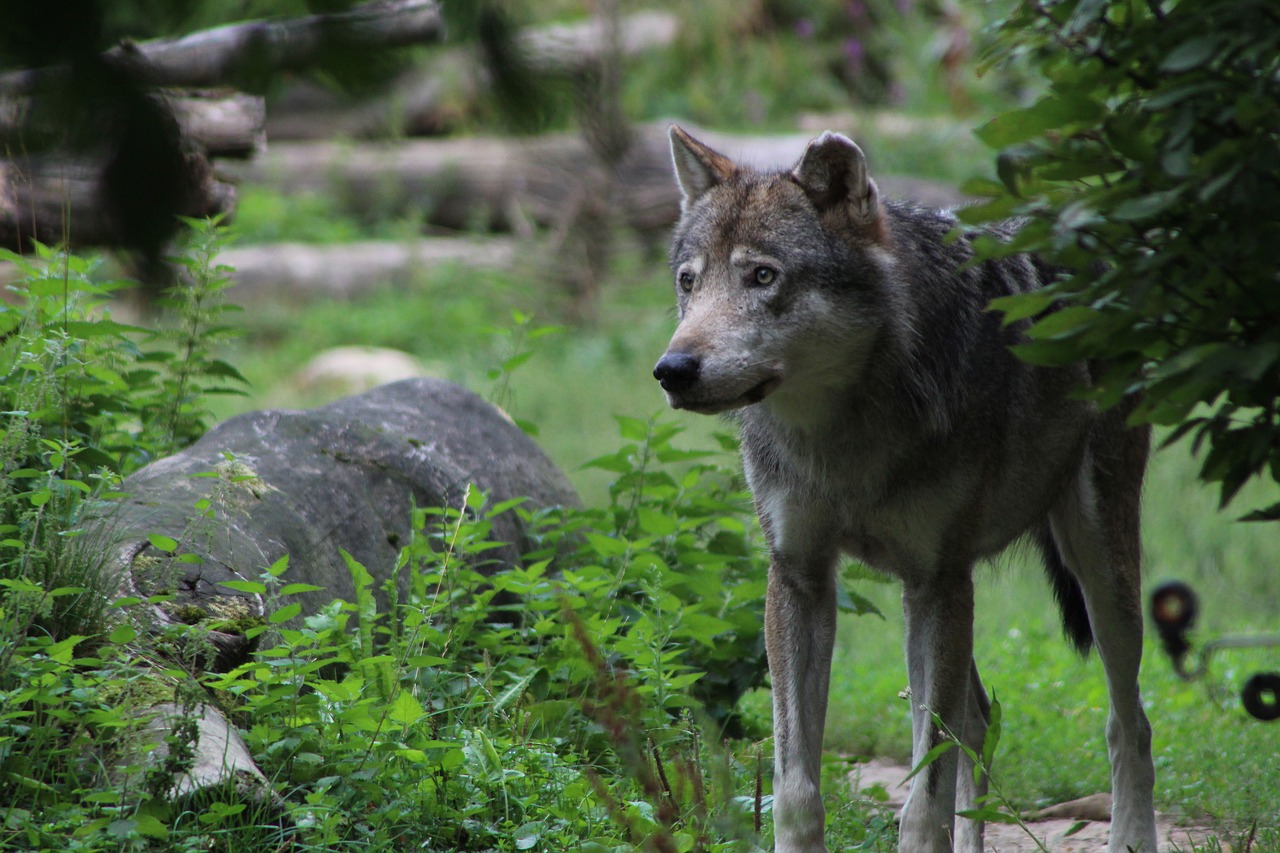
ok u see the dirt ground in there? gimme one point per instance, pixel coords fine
(1051, 825)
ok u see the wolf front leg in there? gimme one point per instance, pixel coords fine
(800, 620)
(939, 622)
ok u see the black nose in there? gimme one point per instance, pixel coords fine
(677, 371)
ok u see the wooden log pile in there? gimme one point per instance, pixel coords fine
(358, 156)
(77, 184)
(517, 184)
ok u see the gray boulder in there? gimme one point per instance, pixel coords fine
(310, 484)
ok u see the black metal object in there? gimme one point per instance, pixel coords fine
(1174, 608)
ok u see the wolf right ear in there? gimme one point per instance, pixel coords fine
(833, 172)
(698, 168)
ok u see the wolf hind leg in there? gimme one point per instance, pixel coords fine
(1095, 526)
(971, 791)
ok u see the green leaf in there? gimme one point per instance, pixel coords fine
(1074, 828)
(992, 739)
(284, 614)
(513, 693)
(163, 543)
(1049, 113)
(1022, 305)
(516, 360)
(632, 429)
(150, 826)
(1191, 54)
(278, 568)
(252, 587)
(932, 756)
(1065, 323)
(655, 523)
(849, 601)
(1171, 97)
(21, 584)
(61, 651)
(528, 836)
(123, 634)
(405, 710)
(1271, 513)
(990, 814)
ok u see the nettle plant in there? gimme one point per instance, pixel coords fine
(555, 705)
(1149, 170)
(84, 401)
(577, 701)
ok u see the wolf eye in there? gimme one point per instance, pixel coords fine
(764, 275)
(685, 280)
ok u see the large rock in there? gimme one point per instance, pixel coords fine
(310, 484)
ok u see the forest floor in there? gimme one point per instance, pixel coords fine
(1089, 817)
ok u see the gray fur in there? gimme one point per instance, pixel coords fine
(883, 416)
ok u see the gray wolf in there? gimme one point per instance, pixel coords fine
(882, 415)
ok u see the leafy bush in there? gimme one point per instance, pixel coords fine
(580, 702)
(86, 400)
(454, 720)
(1155, 152)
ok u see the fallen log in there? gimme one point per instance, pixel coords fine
(220, 122)
(218, 56)
(63, 200)
(299, 272)
(428, 99)
(120, 168)
(512, 184)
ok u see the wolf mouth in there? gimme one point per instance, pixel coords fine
(752, 395)
(764, 389)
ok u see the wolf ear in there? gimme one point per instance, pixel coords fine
(833, 172)
(698, 168)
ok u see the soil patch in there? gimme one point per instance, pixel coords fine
(1080, 826)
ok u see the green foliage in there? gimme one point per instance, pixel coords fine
(114, 396)
(85, 400)
(1148, 171)
(557, 706)
(459, 721)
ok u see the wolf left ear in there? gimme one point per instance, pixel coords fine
(833, 172)
(698, 168)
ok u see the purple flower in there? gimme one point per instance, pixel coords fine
(805, 28)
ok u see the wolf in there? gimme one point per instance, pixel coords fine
(882, 415)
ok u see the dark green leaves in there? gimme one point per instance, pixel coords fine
(1052, 112)
(1150, 173)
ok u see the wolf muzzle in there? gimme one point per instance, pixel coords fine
(677, 371)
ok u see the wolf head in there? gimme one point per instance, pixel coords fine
(783, 280)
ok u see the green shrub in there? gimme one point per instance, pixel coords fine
(1149, 170)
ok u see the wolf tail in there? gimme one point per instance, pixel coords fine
(1066, 590)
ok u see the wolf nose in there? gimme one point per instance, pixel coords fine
(677, 371)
